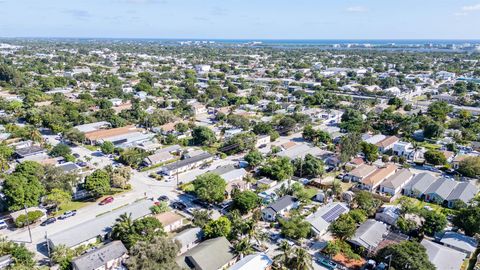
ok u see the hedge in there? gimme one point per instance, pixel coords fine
(33, 216)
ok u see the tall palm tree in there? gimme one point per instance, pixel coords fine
(243, 247)
(35, 135)
(123, 228)
(282, 259)
(301, 260)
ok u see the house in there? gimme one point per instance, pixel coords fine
(321, 219)
(388, 214)
(463, 191)
(393, 185)
(89, 231)
(107, 257)
(372, 181)
(460, 242)
(5, 261)
(126, 135)
(361, 172)
(418, 185)
(443, 257)
(259, 261)
(279, 208)
(233, 177)
(212, 254)
(29, 150)
(93, 126)
(403, 149)
(387, 143)
(189, 238)
(369, 234)
(199, 108)
(171, 221)
(157, 158)
(373, 139)
(262, 140)
(186, 164)
(439, 190)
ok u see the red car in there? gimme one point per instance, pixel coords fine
(107, 200)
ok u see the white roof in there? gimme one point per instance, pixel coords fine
(443, 257)
(259, 261)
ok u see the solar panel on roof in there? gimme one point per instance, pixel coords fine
(333, 213)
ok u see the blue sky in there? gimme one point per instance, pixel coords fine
(243, 19)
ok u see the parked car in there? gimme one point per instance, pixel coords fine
(327, 263)
(203, 204)
(107, 200)
(179, 205)
(68, 214)
(163, 198)
(76, 155)
(3, 224)
(204, 166)
(48, 221)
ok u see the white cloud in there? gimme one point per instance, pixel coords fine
(357, 9)
(471, 8)
(460, 14)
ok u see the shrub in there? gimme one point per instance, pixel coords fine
(33, 216)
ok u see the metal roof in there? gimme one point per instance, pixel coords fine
(100, 257)
(443, 257)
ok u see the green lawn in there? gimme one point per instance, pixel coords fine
(421, 204)
(72, 206)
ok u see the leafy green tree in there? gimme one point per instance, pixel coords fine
(343, 227)
(433, 129)
(405, 255)
(161, 207)
(470, 167)
(434, 222)
(107, 147)
(439, 110)
(468, 219)
(130, 231)
(133, 157)
(350, 145)
(239, 143)
(21, 190)
(364, 200)
(295, 227)
(217, 228)
(395, 101)
(157, 253)
(62, 256)
(310, 166)
(352, 121)
(370, 151)
(278, 168)
(98, 182)
(254, 158)
(58, 197)
(246, 201)
(74, 135)
(61, 150)
(435, 157)
(22, 257)
(358, 215)
(203, 136)
(201, 217)
(210, 187)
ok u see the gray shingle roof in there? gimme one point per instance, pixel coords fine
(369, 234)
(443, 257)
(189, 236)
(100, 257)
(421, 182)
(459, 241)
(395, 181)
(442, 187)
(98, 226)
(464, 191)
(211, 254)
(282, 203)
(187, 161)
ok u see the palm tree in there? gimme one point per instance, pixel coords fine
(124, 228)
(35, 135)
(254, 233)
(62, 255)
(282, 259)
(302, 260)
(243, 247)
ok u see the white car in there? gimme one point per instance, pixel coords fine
(3, 224)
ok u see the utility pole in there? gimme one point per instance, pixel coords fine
(28, 222)
(389, 260)
(48, 246)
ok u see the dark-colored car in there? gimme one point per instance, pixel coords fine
(202, 204)
(179, 205)
(68, 214)
(107, 200)
(48, 221)
(163, 198)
